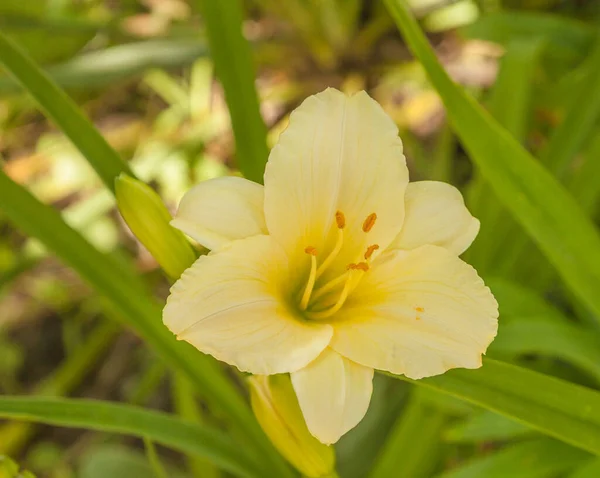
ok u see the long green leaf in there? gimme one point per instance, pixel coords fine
(560, 409)
(583, 183)
(518, 301)
(567, 39)
(590, 470)
(541, 458)
(539, 203)
(120, 62)
(159, 427)
(580, 119)
(412, 447)
(118, 284)
(234, 67)
(14, 435)
(568, 342)
(63, 110)
(484, 427)
(510, 104)
(559, 153)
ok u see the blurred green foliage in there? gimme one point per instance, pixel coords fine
(159, 84)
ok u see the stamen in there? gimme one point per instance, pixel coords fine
(340, 219)
(323, 314)
(369, 222)
(362, 266)
(370, 251)
(312, 277)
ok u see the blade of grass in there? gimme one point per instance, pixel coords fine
(412, 447)
(159, 427)
(565, 142)
(579, 121)
(567, 38)
(539, 203)
(590, 470)
(154, 459)
(484, 427)
(518, 301)
(570, 343)
(120, 62)
(63, 111)
(542, 458)
(565, 411)
(583, 183)
(234, 67)
(130, 299)
(14, 435)
(510, 104)
(186, 406)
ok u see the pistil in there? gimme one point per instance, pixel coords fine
(340, 221)
(312, 277)
(323, 314)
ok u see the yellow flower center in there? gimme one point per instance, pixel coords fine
(342, 285)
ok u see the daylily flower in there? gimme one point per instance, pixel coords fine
(336, 267)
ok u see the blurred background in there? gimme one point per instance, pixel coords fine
(142, 72)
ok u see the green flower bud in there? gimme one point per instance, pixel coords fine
(276, 408)
(148, 218)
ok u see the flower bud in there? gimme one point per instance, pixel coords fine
(148, 218)
(276, 408)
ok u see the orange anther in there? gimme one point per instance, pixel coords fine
(340, 219)
(369, 222)
(362, 266)
(419, 309)
(311, 250)
(370, 251)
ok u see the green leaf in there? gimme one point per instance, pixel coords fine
(559, 153)
(537, 201)
(63, 110)
(486, 426)
(413, 444)
(120, 62)
(541, 458)
(583, 183)
(590, 470)
(234, 67)
(567, 39)
(518, 301)
(568, 342)
(579, 121)
(563, 410)
(510, 104)
(117, 461)
(154, 460)
(159, 427)
(119, 285)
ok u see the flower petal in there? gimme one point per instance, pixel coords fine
(436, 214)
(418, 313)
(334, 395)
(220, 210)
(231, 304)
(338, 153)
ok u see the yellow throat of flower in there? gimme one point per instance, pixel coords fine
(344, 284)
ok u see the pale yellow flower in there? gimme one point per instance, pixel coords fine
(336, 267)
